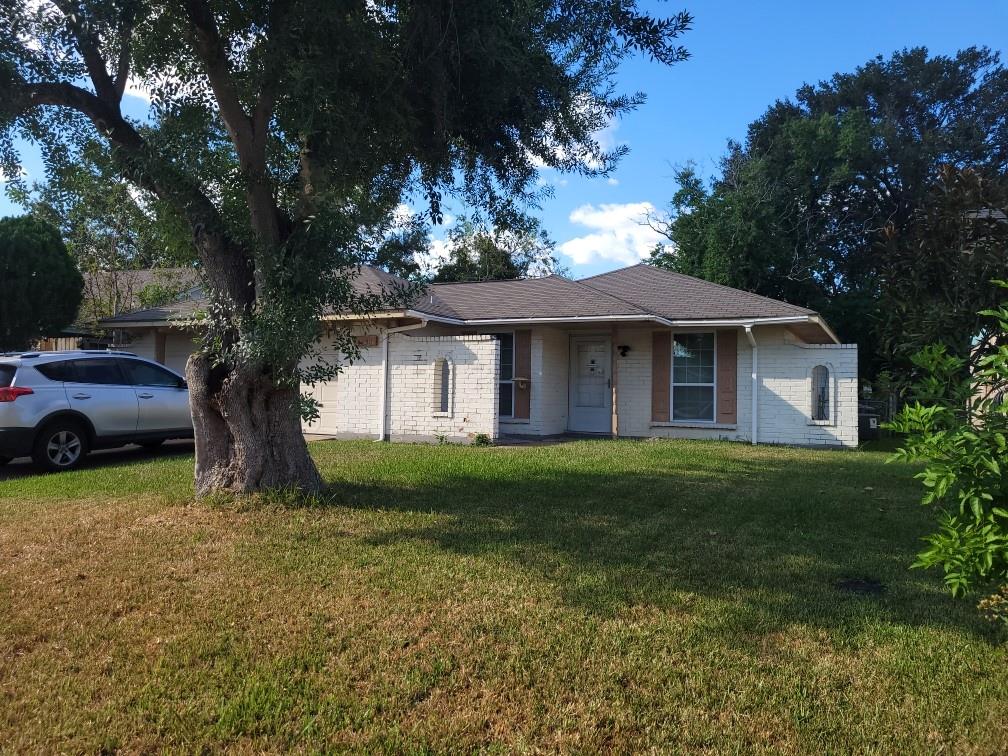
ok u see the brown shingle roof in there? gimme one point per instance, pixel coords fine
(677, 297)
(549, 297)
(640, 290)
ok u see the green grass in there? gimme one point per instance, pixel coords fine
(588, 596)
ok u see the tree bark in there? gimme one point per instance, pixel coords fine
(248, 432)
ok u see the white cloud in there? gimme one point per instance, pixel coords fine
(138, 88)
(612, 181)
(435, 256)
(618, 233)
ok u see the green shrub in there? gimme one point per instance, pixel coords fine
(959, 426)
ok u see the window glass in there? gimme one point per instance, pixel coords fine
(505, 405)
(693, 377)
(507, 356)
(442, 384)
(6, 375)
(693, 402)
(104, 371)
(820, 393)
(145, 374)
(693, 358)
(57, 371)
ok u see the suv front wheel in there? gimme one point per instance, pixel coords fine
(61, 445)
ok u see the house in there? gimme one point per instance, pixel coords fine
(638, 352)
(113, 292)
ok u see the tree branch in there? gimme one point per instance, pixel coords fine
(209, 48)
(105, 88)
(123, 64)
(226, 266)
(247, 133)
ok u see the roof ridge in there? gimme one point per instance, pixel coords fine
(617, 297)
(501, 280)
(610, 272)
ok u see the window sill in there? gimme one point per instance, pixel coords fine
(515, 421)
(823, 423)
(441, 414)
(696, 424)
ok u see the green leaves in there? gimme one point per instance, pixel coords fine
(40, 287)
(961, 433)
(838, 200)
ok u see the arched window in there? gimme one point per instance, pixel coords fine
(442, 386)
(820, 393)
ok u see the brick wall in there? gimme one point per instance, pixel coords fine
(550, 363)
(350, 404)
(785, 391)
(413, 411)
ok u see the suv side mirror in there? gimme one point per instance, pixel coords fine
(182, 384)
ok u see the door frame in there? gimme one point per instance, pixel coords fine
(572, 377)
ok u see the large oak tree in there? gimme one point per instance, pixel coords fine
(284, 132)
(820, 205)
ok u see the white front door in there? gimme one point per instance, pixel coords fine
(590, 385)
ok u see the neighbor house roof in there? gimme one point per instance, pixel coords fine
(640, 292)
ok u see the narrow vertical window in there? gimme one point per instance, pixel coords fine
(445, 381)
(505, 405)
(820, 393)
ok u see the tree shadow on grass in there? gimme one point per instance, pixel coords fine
(768, 542)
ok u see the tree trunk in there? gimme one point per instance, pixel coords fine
(248, 432)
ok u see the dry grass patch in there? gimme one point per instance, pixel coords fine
(588, 596)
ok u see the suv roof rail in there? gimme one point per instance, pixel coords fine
(68, 353)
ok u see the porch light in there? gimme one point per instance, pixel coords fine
(624, 350)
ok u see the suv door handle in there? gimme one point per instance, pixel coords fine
(146, 396)
(82, 396)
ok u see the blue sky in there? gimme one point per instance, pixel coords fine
(745, 55)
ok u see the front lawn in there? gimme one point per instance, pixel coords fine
(587, 596)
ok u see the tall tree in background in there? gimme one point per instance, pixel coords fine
(939, 269)
(523, 249)
(283, 132)
(40, 287)
(799, 211)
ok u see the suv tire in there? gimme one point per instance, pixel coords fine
(61, 445)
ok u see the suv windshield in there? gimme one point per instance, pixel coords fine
(7, 375)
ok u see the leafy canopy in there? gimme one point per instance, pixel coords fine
(40, 287)
(800, 211)
(478, 253)
(284, 133)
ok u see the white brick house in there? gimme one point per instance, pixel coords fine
(637, 352)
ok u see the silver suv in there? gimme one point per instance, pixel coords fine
(57, 406)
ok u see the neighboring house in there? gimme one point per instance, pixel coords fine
(110, 293)
(636, 352)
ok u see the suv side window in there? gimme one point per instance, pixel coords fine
(144, 374)
(7, 375)
(57, 371)
(103, 371)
